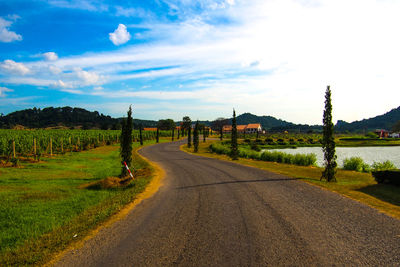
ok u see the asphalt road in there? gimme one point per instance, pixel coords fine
(216, 213)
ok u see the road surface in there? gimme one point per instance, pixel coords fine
(216, 213)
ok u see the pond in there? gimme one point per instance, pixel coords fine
(368, 154)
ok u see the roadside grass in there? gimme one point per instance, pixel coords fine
(46, 206)
(358, 186)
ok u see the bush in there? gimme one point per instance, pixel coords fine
(220, 149)
(372, 135)
(355, 164)
(255, 147)
(269, 140)
(383, 166)
(274, 156)
(391, 177)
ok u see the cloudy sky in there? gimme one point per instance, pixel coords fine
(171, 58)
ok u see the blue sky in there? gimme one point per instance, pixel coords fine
(171, 58)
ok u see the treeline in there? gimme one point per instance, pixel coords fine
(66, 117)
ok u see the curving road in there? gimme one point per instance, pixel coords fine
(217, 213)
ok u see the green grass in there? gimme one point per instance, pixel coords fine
(44, 205)
(358, 186)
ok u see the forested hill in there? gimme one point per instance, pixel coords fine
(61, 116)
(385, 121)
(267, 122)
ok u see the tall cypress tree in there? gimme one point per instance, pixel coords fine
(158, 135)
(173, 134)
(189, 136)
(196, 137)
(221, 133)
(234, 143)
(126, 142)
(179, 131)
(204, 134)
(328, 140)
(140, 135)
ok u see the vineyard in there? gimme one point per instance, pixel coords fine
(18, 144)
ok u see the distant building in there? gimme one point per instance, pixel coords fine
(394, 135)
(382, 133)
(249, 128)
(150, 129)
(253, 128)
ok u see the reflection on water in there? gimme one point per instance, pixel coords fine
(368, 154)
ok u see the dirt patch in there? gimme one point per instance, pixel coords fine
(107, 183)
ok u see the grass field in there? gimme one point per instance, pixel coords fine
(46, 206)
(358, 186)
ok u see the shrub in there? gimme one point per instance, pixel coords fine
(383, 166)
(355, 164)
(255, 147)
(219, 149)
(247, 140)
(269, 140)
(388, 176)
(371, 135)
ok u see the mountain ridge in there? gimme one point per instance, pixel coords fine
(79, 117)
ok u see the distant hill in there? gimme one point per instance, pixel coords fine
(385, 121)
(82, 118)
(64, 117)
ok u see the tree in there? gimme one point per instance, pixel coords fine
(190, 137)
(204, 134)
(166, 125)
(140, 135)
(179, 133)
(173, 134)
(158, 135)
(186, 123)
(196, 137)
(396, 127)
(328, 141)
(126, 142)
(234, 143)
(218, 125)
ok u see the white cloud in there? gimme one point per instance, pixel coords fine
(12, 67)
(89, 5)
(120, 35)
(50, 56)
(3, 90)
(54, 70)
(60, 84)
(7, 36)
(89, 78)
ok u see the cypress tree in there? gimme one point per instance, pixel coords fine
(234, 144)
(173, 134)
(140, 135)
(126, 142)
(204, 134)
(179, 131)
(328, 140)
(189, 137)
(158, 135)
(221, 132)
(196, 137)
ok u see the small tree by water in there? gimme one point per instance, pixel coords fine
(328, 141)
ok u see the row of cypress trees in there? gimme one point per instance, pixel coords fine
(328, 141)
